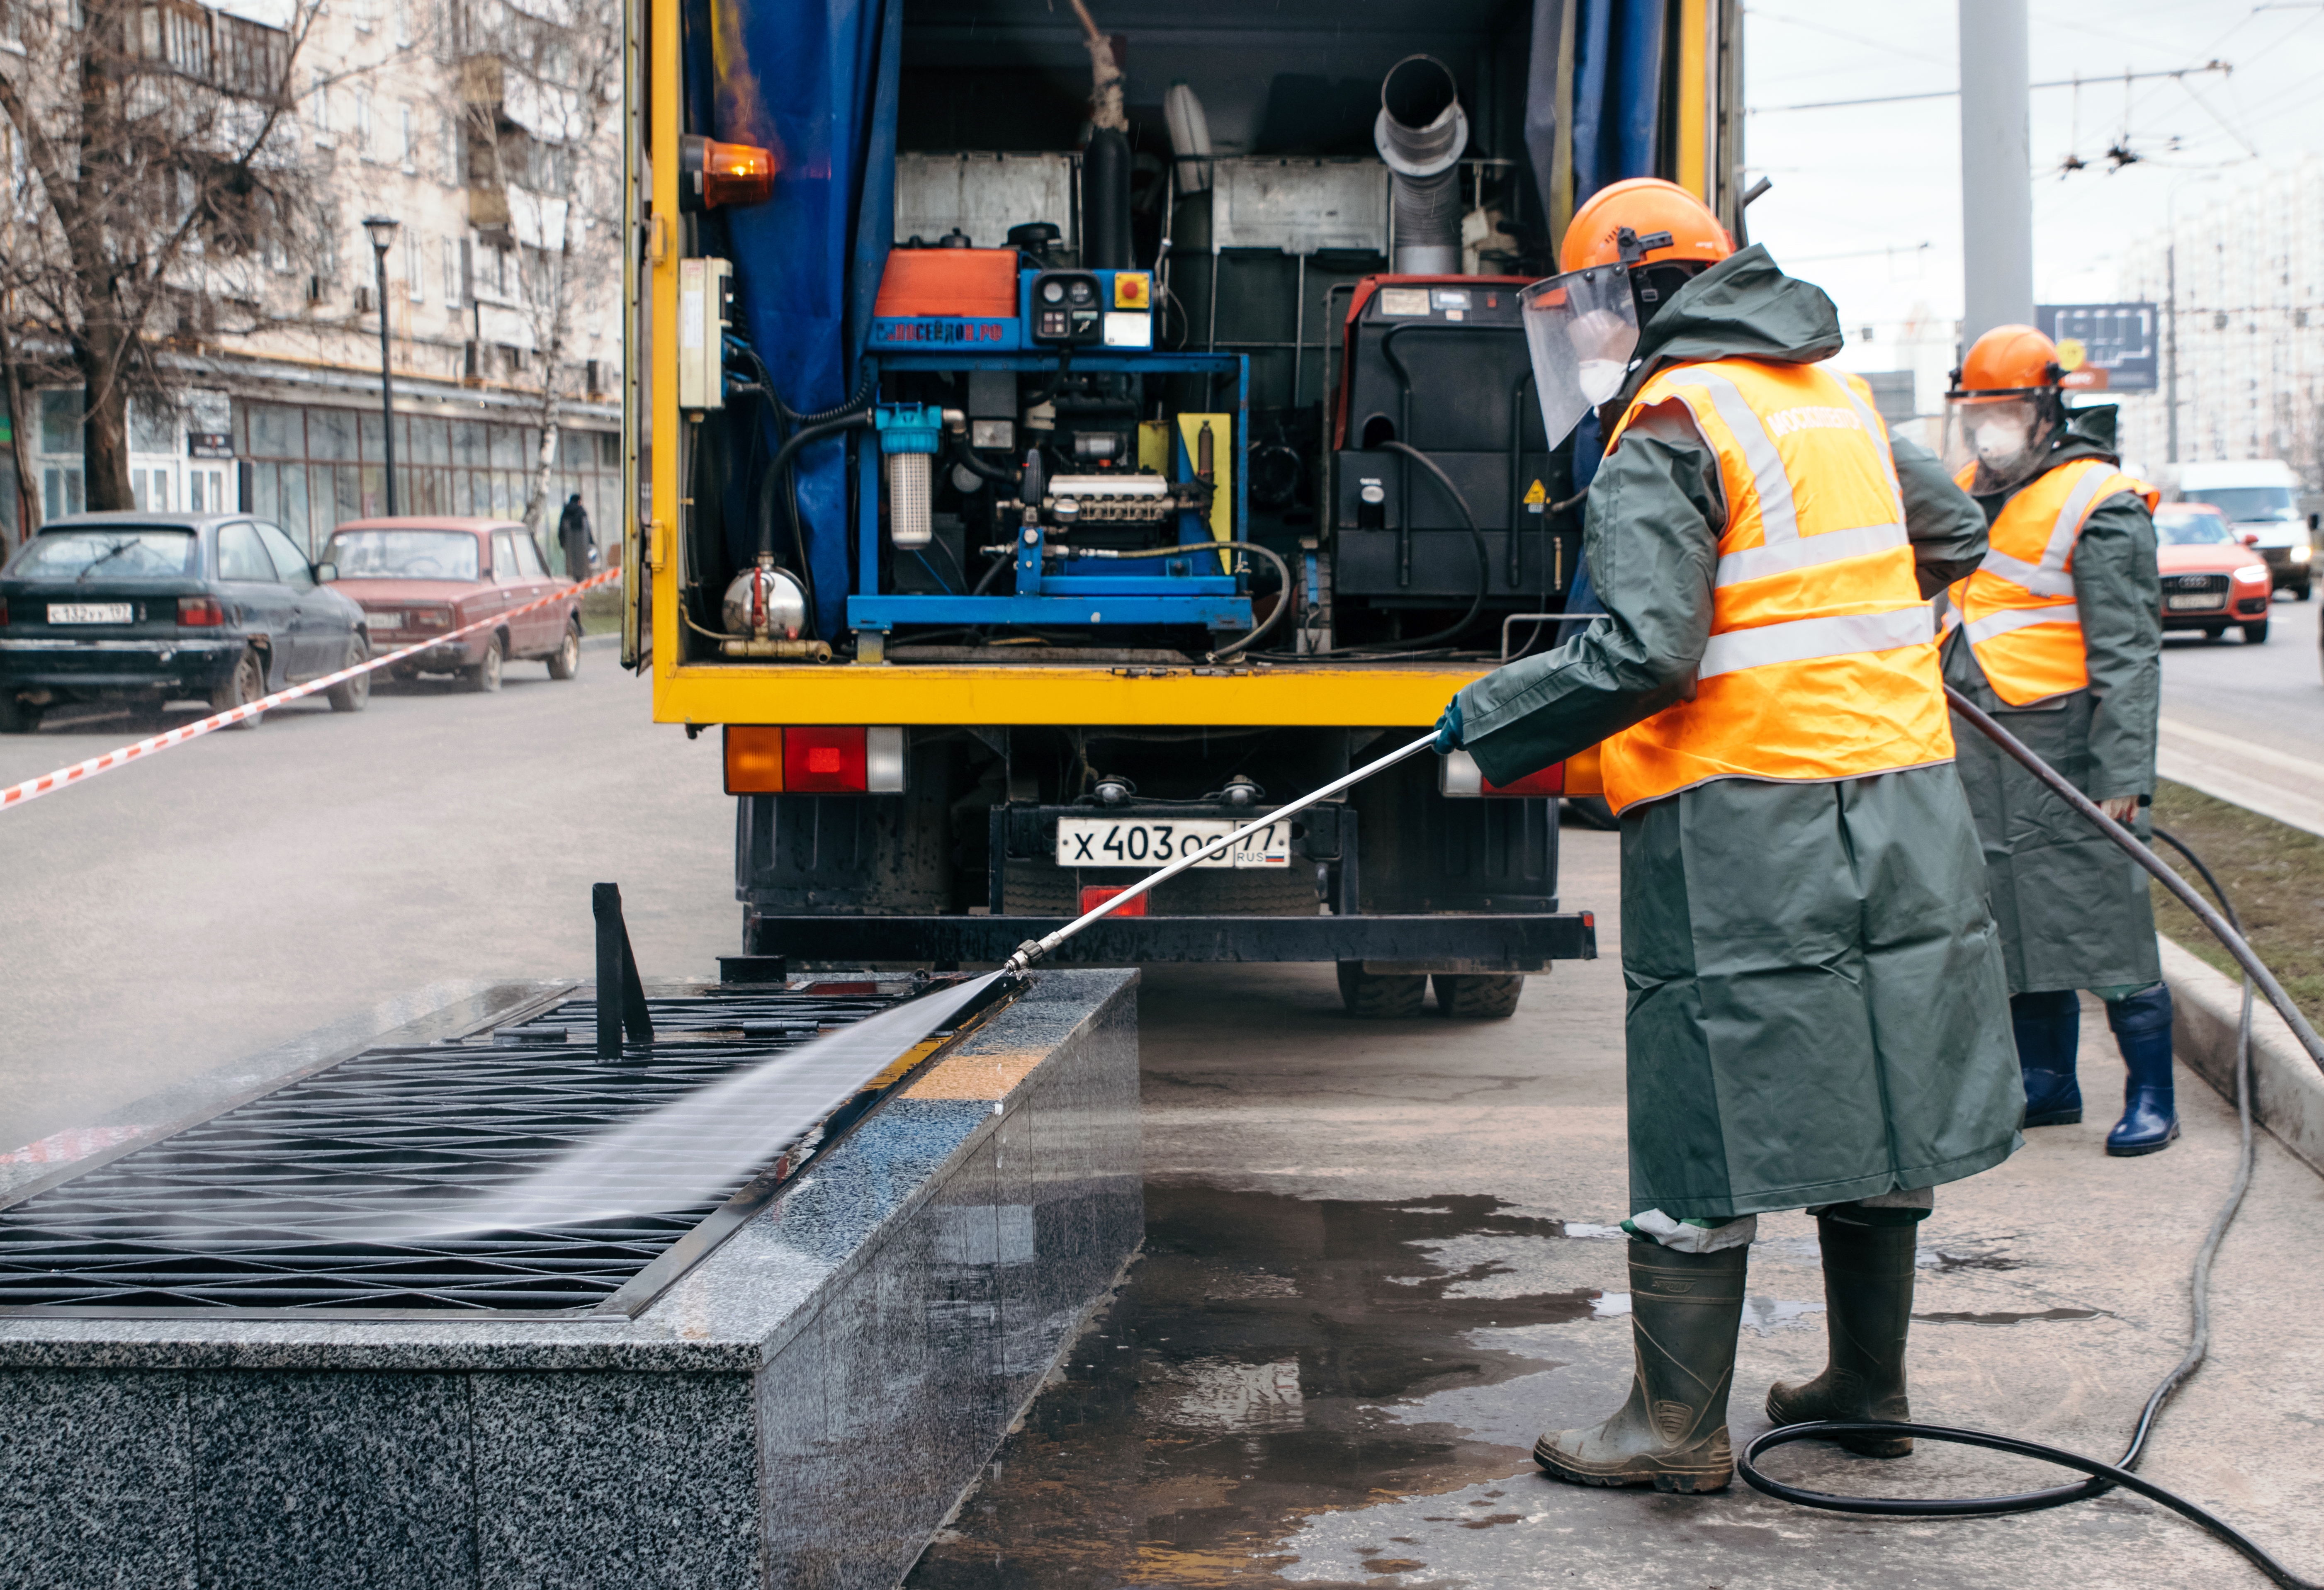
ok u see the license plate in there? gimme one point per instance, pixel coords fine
(1106, 842)
(89, 613)
(2199, 600)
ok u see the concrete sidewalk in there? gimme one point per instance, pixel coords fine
(1381, 1257)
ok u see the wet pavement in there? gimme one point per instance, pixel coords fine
(1380, 1258)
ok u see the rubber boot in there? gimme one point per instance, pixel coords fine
(1868, 1293)
(2049, 1029)
(2150, 1109)
(1685, 1309)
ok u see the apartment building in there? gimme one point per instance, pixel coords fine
(488, 130)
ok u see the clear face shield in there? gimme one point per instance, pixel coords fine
(2005, 433)
(1581, 329)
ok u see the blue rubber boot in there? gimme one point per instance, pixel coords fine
(2150, 1112)
(2049, 1028)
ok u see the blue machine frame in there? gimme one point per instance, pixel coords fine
(1077, 593)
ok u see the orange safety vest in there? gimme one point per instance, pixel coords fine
(2018, 605)
(1822, 658)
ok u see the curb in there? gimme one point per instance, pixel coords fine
(2287, 1088)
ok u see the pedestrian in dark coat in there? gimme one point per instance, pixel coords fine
(574, 535)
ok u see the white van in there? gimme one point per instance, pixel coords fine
(2261, 497)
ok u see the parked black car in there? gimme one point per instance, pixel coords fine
(148, 608)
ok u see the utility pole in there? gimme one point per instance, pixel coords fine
(1997, 169)
(2170, 345)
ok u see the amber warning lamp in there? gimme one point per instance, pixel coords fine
(712, 175)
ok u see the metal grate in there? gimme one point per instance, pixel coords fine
(293, 1201)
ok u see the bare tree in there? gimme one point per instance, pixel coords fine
(161, 159)
(544, 140)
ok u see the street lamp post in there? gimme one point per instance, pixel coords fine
(383, 230)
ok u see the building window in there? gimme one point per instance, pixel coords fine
(363, 123)
(415, 265)
(448, 142)
(318, 109)
(408, 130)
(451, 273)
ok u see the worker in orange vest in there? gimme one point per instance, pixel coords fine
(1817, 1015)
(2059, 634)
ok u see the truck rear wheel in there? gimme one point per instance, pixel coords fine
(1381, 995)
(1471, 995)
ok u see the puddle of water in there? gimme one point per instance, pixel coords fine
(1761, 1316)
(2006, 1319)
(1275, 1345)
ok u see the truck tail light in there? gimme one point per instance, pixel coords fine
(1458, 776)
(199, 613)
(763, 760)
(1096, 895)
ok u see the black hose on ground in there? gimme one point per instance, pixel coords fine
(2104, 1476)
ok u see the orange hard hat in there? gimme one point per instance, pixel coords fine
(1645, 205)
(2008, 359)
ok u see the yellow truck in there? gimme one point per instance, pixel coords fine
(1054, 445)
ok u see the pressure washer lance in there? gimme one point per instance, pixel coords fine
(2103, 1476)
(1032, 949)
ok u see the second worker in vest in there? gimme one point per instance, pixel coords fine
(2059, 634)
(1817, 1013)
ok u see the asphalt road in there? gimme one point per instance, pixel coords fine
(246, 888)
(1381, 1257)
(2245, 723)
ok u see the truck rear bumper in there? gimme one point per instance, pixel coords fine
(1482, 941)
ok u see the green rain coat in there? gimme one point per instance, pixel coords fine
(1817, 1010)
(2073, 910)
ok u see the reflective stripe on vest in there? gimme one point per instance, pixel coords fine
(1821, 663)
(2018, 605)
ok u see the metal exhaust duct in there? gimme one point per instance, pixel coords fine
(1421, 133)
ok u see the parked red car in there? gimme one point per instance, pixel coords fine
(2210, 579)
(419, 578)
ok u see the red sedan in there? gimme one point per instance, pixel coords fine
(423, 577)
(2210, 578)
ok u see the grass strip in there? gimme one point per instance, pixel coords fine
(2275, 874)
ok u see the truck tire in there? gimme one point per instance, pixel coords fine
(1379, 995)
(17, 717)
(1474, 996)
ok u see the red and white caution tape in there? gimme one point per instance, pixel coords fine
(32, 789)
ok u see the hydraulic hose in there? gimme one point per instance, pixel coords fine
(2104, 1476)
(1032, 949)
(1282, 574)
(778, 470)
(1476, 536)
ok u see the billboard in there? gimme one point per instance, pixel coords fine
(2105, 347)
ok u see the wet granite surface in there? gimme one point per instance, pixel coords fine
(803, 1408)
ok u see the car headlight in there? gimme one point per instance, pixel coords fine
(2302, 554)
(2251, 573)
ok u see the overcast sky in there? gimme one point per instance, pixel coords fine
(1876, 182)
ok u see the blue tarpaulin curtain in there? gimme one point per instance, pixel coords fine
(815, 81)
(1617, 82)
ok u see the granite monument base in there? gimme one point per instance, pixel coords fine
(803, 1408)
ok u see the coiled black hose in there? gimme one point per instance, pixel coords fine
(2104, 1476)
(1476, 536)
